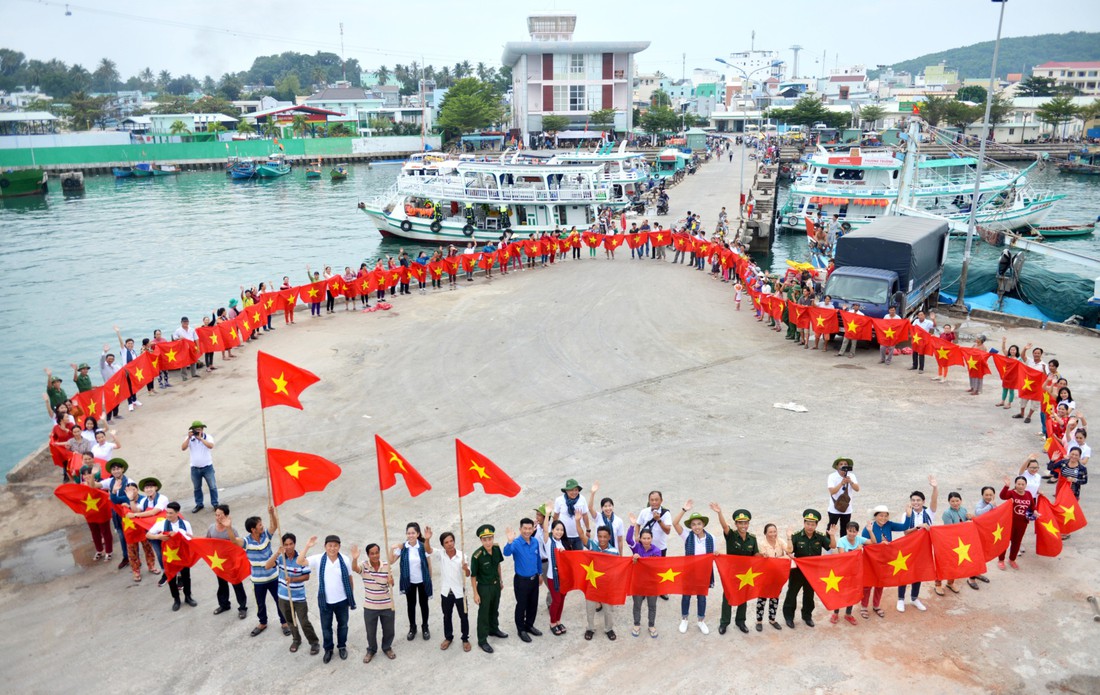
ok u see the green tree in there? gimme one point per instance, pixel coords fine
(106, 77)
(215, 128)
(299, 124)
(380, 125)
(469, 105)
(163, 78)
(288, 87)
(660, 98)
(871, 115)
(603, 117)
(339, 130)
(974, 93)
(85, 111)
(148, 80)
(230, 87)
(383, 74)
(212, 104)
(660, 119)
(245, 128)
(1057, 112)
(270, 128)
(960, 115)
(1036, 87)
(178, 128)
(934, 109)
(554, 123)
(168, 103)
(999, 109)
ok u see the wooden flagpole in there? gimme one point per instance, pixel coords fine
(462, 539)
(271, 501)
(385, 554)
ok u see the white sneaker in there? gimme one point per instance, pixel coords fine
(683, 626)
(131, 407)
(703, 628)
(901, 605)
(137, 403)
(919, 606)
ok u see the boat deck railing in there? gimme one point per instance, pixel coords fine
(458, 191)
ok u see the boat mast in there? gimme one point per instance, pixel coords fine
(909, 168)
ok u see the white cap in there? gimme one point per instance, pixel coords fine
(880, 509)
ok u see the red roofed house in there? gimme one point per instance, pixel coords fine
(1083, 75)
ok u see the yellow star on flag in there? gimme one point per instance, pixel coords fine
(971, 363)
(832, 582)
(915, 339)
(821, 321)
(91, 504)
(155, 361)
(171, 554)
(256, 314)
(668, 576)
(91, 407)
(889, 332)
(213, 338)
(944, 353)
(233, 333)
(748, 578)
(853, 327)
(963, 551)
(171, 355)
(270, 303)
(1028, 384)
(312, 291)
(280, 383)
(365, 285)
(138, 373)
(1068, 513)
(480, 470)
(216, 563)
(997, 532)
(394, 458)
(128, 524)
(1050, 527)
(291, 299)
(660, 237)
(591, 574)
(295, 468)
(115, 389)
(246, 325)
(900, 563)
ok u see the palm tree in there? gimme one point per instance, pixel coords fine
(178, 128)
(383, 74)
(163, 79)
(270, 128)
(482, 72)
(246, 128)
(214, 128)
(146, 76)
(299, 124)
(459, 71)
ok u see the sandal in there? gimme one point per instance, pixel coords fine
(864, 614)
(588, 635)
(652, 632)
(982, 578)
(293, 647)
(952, 588)
(879, 612)
(635, 631)
(776, 625)
(972, 584)
(939, 591)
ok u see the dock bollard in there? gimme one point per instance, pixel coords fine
(1095, 608)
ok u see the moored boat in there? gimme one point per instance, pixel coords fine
(14, 184)
(273, 167)
(242, 170)
(1062, 231)
(1084, 161)
(142, 170)
(165, 170)
(72, 182)
(123, 172)
(338, 172)
(313, 171)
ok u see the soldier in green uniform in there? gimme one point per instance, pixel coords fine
(485, 576)
(738, 542)
(806, 543)
(80, 377)
(793, 291)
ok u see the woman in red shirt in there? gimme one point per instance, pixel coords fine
(1023, 508)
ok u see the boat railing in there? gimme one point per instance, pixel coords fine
(458, 191)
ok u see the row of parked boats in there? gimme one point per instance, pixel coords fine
(144, 170)
(277, 166)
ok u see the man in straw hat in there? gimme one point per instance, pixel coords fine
(486, 578)
(697, 541)
(565, 510)
(805, 543)
(149, 503)
(738, 542)
(199, 446)
(842, 485)
(115, 486)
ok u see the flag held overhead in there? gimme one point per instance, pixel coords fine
(280, 382)
(391, 463)
(474, 467)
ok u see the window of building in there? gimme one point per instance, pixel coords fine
(577, 100)
(1011, 131)
(561, 98)
(576, 65)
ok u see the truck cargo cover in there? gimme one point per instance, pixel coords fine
(908, 246)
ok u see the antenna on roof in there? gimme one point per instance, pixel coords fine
(343, 63)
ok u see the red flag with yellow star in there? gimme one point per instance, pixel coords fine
(602, 577)
(613, 241)
(745, 578)
(314, 292)
(115, 391)
(227, 559)
(976, 362)
(281, 383)
(391, 463)
(1048, 528)
(920, 340)
(294, 473)
(682, 242)
(854, 326)
(134, 528)
(90, 403)
(836, 579)
(142, 371)
(958, 551)
(176, 354)
(659, 576)
(1031, 383)
(798, 315)
(210, 339)
(994, 529)
(474, 467)
(635, 240)
(946, 353)
(592, 239)
(90, 502)
(418, 272)
(177, 554)
(660, 237)
(904, 560)
(890, 332)
(1010, 371)
(229, 334)
(1070, 515)
(823, 320)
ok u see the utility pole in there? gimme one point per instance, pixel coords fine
(752, 43)
(343, 63)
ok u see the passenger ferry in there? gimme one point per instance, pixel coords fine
(456, 200)
(862, 184)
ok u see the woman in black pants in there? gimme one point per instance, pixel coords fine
(416, 574)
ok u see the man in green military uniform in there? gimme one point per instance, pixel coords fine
(806, 543)
(738, 542)
(485, 576)
(80, 377)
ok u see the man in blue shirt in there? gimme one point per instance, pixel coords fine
(525, 551)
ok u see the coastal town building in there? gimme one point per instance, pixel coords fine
(554, 74)
(21, 97)
(160, 124)
(1083, 76)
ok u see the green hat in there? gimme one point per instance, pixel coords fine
(742, 515)
(118, 462)
(541, 509)
(696, 515)
(149, 481)
(842, 459)
(485, 530)
(197, 424)
(811, 515)
(571, 484)
(83, 365)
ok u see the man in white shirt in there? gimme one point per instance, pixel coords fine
(199, 445)
(657, 520)
(108, 367)
(453, 571)
(848, 341)
(841, 481)
(335, 597)
(565, 509)
(923, 322)
(186, 332)
(161, 531)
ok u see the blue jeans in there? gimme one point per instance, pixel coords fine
(200, 474)
(340, 610)
(260, 591)
(913, 595)
(685, 606)
(116, 520)
(156, 545)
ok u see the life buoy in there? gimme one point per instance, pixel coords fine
(846, 226)
(468, 230)
(792, 221)
(70, 183)
(406, 226)
(435, 226)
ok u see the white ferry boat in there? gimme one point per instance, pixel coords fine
(862, 184)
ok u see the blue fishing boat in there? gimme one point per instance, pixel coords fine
(122, 172)
(274, 167)
(142, 170)
(243, 170)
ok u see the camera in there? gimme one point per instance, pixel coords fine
(845, 469)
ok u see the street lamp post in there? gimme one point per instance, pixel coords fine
(747, 76)
(972, 222)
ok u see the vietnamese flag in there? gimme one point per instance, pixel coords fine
(486, 261)
(1010, 371)
(1048, 529)
(209, 339)
(613, 241)
(602, 577)
(334, 285)
(660, 237)
(176, 354)
(381, 279)
(532, 248)
(350, 289)
(745, 578)
(390, 463)
(905, 560)
(474, 467)
(435, 269)
(994, 529)
(469, 261)
(890, 332)
(836, 579)
(281, 383)
(658, 576)
(115, 391)
(132, 528)
(230, 334)
(946, 353)
(90, 402)
(257, 313)
(1070, 515)
(683, 242)
(636, 239)
(90, 502)
(1031, 383)
(294, 473)
(313, 293)
(418, 271)
(593, 239)
(227, 559)
(273, 301)
(141, 370)
(60, 454)
(177, 554)
(799, 315)
(920, 340)
(958, 551)
(1053, 446)
(855, 326)
(450, 265)
(823, 319)
(976, 362)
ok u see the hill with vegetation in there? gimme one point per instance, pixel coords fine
(1018, 54)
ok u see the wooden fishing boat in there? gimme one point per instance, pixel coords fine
(1065, 231)
(338, 172)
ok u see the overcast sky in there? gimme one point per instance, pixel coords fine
(214, 36)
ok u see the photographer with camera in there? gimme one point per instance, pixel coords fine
(842, 486)
(199, 445)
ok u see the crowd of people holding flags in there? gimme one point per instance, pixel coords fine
(568, 544)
